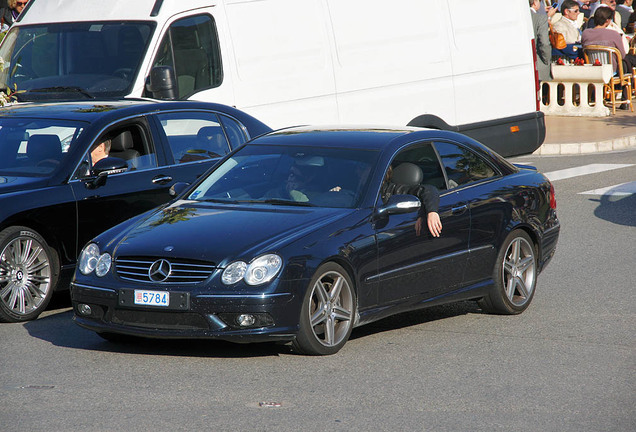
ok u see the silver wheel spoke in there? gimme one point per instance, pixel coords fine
(318, 317)
(525, 264)
(510, 287)
(31, 255)
(521, 285)
(13, 298)
(329, 331)
(342, 314)
(516, 247)
(335, 290)
(321, 292)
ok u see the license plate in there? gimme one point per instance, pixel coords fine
(152, 298)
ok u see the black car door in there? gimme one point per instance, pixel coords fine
(477, 180)
(424, 266)
(142, 187)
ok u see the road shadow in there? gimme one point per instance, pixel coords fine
(422, 316)
(618, 209)
(58, 328)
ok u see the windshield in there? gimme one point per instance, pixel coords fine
(35, 147)
(277, 175)
(73, 60)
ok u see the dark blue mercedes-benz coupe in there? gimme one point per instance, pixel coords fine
(55, 195)
(293, 237)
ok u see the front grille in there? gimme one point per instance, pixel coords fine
(160, 320)
(181, 271)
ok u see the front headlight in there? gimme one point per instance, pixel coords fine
(90, 260)
(262, 270)
(103, 264)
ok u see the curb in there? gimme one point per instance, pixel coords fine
(622, 143)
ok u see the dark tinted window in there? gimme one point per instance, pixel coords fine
(423, 155)
(191, 48)
(462, 165)
(194, 136)
(234, 131)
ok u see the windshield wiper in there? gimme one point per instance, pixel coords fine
(219, 200)
(279, 201)
(63, 89)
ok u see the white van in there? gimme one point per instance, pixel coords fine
(448, 64)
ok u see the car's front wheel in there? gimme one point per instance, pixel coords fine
(29, 271)
(515, 276)
(327, 313)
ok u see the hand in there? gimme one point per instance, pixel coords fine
(434, 224)
(550, 11)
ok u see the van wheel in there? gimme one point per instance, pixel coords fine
(326, 317)
(29, 270)
(514, 276)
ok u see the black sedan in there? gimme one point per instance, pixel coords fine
(55, 195)
(292, 238)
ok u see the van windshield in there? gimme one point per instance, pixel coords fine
(74, 60)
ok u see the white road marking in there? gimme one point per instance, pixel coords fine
(622, 189)
(583, 170)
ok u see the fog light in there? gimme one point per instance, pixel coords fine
(246, 320)
(84, 309)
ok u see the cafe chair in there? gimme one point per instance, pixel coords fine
(614, 89)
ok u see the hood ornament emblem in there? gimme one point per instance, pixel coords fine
(160, 270)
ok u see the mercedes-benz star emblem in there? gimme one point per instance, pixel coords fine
(159, 270)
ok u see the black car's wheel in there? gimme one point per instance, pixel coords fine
(327, 313)
(515, 276)
(29, 270)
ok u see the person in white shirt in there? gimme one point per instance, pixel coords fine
(569, 25)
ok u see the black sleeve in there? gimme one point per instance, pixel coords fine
(429, 196)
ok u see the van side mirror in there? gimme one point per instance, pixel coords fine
(162, 83)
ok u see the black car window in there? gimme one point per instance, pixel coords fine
(191, 48)
(194, 136)
(423, 155)
(281, 175)
(128, 142)
(234, 131)
(462, 165)
(35, 147)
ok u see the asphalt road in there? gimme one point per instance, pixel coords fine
(566, 364)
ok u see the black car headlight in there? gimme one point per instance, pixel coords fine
(91, 260)
(261, 270)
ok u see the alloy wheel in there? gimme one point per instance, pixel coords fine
(331, 309)
(519, 271)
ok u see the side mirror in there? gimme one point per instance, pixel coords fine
(399, 204)
(162, 83)
(177, 188)
(103, 168)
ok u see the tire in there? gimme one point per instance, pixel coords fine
(514, 276)
(29, 271)
(327, 312)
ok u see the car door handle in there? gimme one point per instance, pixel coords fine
(162, 179)
(459, 210)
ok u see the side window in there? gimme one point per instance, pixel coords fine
(462, 165)
(235, 132)
(128, 142)
(191, 48)
(194, 136)
(423, 155)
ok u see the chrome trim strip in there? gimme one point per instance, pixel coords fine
(454, 254)
(255, 296)
(549, 230)
(480, 248)
(94, 288)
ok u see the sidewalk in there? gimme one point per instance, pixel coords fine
(574, 135)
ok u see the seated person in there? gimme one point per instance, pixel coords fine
(297, 185)
(100, 151)
(569, 25)
(427, 194)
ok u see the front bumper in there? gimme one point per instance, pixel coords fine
(202, 315)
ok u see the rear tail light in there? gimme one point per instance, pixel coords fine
(552, 197)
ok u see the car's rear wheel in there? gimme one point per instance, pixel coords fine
(327, 313)
(515, 276)
(29, 270)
